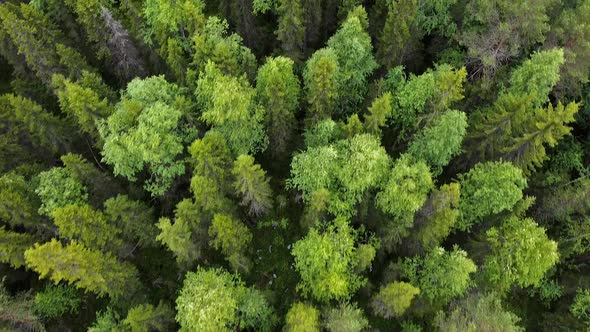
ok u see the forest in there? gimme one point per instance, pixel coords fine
(294, 165)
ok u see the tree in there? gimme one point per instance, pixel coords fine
(321, 77)
(229, 308)
(580, 308)
(379, 112)
(145, 131)
(88, 226)
(251, 184)
(186, 236)
(19, 203)
(394, 299)
(291, 29)
(346, 318)
(214, 44)
(354, 51)
(170, 25)
(85, 268)
(402, 195)
(400, 36)
(82, 104)
(521, 253)
(13, 246)
(228, 106)
(440, 275)
(146, 317)
(326, 261)
(135, 219)
(302, 317)
(478, 312)
(232, 238)
(57, 188)
(487, 189)
(437, 217)
(55, 301)
(441, 141)
(277, 90)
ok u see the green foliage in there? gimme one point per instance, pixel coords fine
(379, 112)
(345, 318)
(478, 312)
(322, 133)
(57, 188)
(145, 131)
(86, 225)
(302, 317)
(321, 79)
(405, 192)
(85, 268)
(55, 301)
(105, 321)
(325, 262)
(252, 185)
(521, 253)
(146, 317)
(277, 91)
(537, 76)
(82, 104)
(394, 299)
(489, 188)
(400, 35)
(13, 246)
(354, 51)
(435, 220)
(291, 29)
(441, 141)
(231, 237)
(440, 275)
(229, 107)
(580, 308)
(214, 44)
(346, 169)
(135, 219)
(231, 306)
(19, 204)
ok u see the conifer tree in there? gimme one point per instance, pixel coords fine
(13, 246)
(291, 29)
(321, 77)
(251, 184)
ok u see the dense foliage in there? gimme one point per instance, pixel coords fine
(294, 165)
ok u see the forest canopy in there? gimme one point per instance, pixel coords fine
(294, 165)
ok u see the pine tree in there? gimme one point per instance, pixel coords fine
(252, 185)
(232, 238)
(85, 268)
(399, 37)
(277, 90)
(321, 77)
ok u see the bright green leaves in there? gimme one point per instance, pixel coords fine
(346, 169)
(404, 193)
(345, 318)
(537, 76)
(441, 275)
(82, 104)
(321, 77)
(85, 268)
(326, 261)
(232, 238)
(394, 299)
(55, 301)
(354, 51)
(277, 91)
(302, 318)
(580, 308)
(520, 254)
(441, 141)
(146, 317)
(228, 106)
(57, 188)
(379, 112)
(145, 131)
(251, 184)
(214, 44)
(487, 189)
(214, 300)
